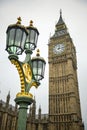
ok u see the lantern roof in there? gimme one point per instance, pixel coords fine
(32, 27)
(17, 25)
(37, 57)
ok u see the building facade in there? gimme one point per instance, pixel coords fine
(9, 116)
(64, 101)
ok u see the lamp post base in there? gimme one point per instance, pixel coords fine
(23, 103)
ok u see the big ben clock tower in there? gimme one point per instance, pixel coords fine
(64, 101)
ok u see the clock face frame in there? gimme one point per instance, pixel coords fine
(59, 48)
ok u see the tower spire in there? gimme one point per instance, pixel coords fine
(60, 27)
(34, 109)
(39, 112)
(7, 99)
(61, 12)
(60, 21)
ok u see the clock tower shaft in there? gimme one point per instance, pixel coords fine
(64, 101)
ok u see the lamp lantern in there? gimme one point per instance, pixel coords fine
(19, 39)
(38, 66)
(16, 37)
(32, 37)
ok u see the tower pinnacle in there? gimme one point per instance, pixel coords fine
(61, 12)
(7, 99)
(60, 21)
(39, 112)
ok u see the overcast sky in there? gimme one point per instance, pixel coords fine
(45, 14)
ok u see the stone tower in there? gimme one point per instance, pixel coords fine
(64, 101)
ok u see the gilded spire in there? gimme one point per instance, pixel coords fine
(38, 52)
(19, 20)
(31, 23)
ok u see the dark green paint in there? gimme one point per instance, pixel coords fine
(23, 103)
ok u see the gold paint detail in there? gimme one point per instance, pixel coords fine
(27, 72)
(20, 74)
(19, 20)
(31, 23)
(24, 94)
(38, 52)
(34, 84)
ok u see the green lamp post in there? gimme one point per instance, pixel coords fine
(24, 39)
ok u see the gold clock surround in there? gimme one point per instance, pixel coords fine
(27, 72)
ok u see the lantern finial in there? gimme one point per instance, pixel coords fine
(19, 20)
(38, 52)
(31, 22)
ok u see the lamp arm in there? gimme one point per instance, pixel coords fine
(14, 60)
(32, 83)
(26, 76)
(28, 56)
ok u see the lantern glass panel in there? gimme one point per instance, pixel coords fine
(23, 39)
(32, 36)
(36, 38)
(27, 45)
(34, 67)
(18, 38)
(43, 68)
(11, 37)
(40, 68)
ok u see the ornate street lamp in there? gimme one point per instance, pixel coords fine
(24, 39)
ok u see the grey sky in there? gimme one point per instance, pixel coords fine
(45, 14)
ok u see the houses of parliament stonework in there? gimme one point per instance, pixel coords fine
(64, 101)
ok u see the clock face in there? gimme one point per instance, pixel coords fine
(59, 48)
